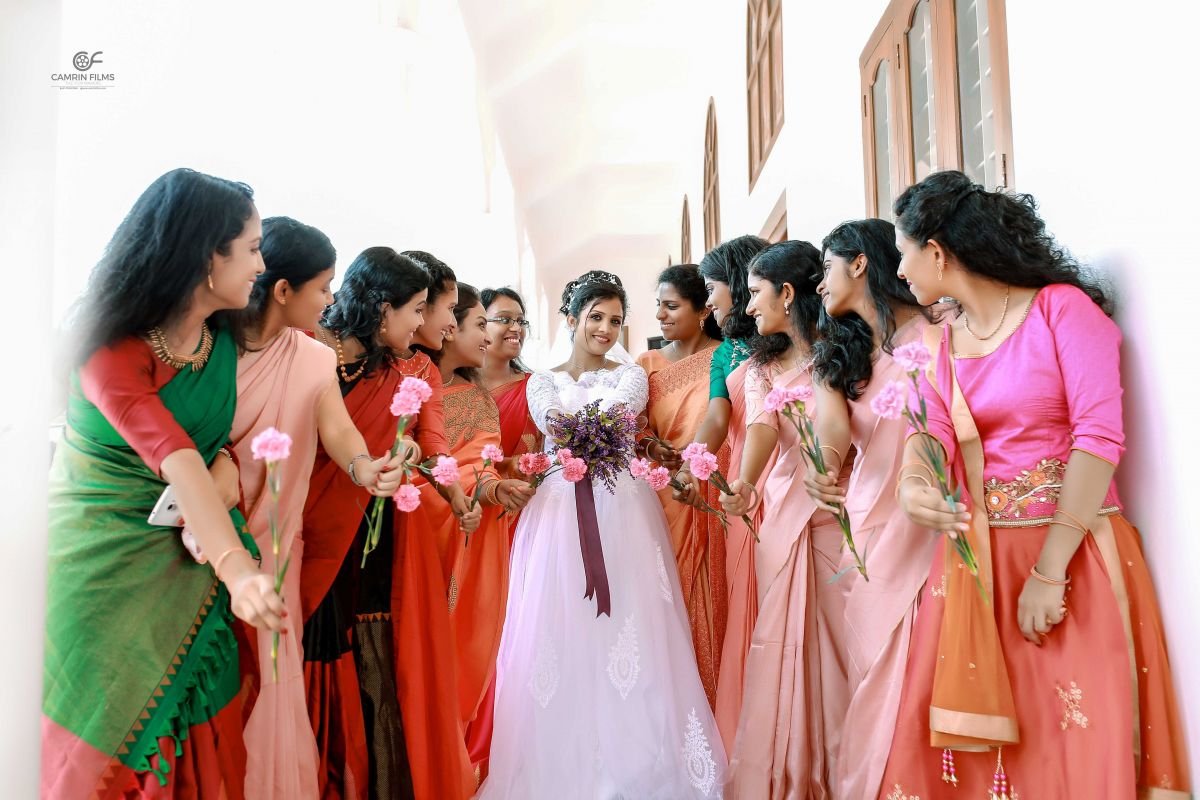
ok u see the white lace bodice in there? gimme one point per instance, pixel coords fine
(550, 392)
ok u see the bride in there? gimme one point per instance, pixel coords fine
(588, 704)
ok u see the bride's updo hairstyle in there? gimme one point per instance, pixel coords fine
(590, 288)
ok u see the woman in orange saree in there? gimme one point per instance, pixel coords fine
(1046, 675)
(724, 269)
(286, 381)
(376, 311)
(506, 378)
(425, 671)
(679, 385)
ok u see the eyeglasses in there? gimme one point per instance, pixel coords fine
(508, 322)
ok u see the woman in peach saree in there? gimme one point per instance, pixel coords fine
(723, 430)
(794, 681)
(1049, 676)
(876, 313)
(286, 380)
(679, 384)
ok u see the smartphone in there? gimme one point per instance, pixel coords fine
(166, 511)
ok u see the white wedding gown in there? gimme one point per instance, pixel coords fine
(598, 707)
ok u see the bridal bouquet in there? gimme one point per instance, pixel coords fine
(790, 402)
(892, 403)
(603, 440)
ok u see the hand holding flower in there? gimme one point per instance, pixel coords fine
(823, 488)
(739, 501)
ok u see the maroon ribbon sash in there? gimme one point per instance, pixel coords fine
(591, 548)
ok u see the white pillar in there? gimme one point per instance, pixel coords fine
(29, 31)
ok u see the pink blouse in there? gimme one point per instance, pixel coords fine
(1052, 387)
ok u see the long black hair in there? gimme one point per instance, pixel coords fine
(378, 275)
(687, 280)
(590, 288)
(996, 235)
(158, 255)
(799, 264)
(468, 298)
(441, 277)
(844, 352)
(489, 296)
(729, 263)
(292, 252)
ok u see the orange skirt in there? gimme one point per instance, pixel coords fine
(1100, 682)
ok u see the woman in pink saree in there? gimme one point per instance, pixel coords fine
(876, 313)
(286, 380)
(1053, 681)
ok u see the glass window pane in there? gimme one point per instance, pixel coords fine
(883, 144)
(920, 79)
(977, 129)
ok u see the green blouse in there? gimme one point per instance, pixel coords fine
(726, 358)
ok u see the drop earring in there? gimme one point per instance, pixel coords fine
(939, 269)
(210, 283)
(787, 309)
(382, 328)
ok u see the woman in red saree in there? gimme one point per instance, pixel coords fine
(506, 378)
(140, 684)
(1047, 675)
(287, 381)
(375, 313)
(679, 395)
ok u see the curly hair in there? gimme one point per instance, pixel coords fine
(729, 263)
(687, 280)
(996, 235)
(797, 263)
(378, 275)
(843, 356)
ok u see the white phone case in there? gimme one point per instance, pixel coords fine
(166, 511)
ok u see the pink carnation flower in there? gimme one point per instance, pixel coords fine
(891, 400)
(912, 357)
(775, 400)
(533, 463)
(574, 469)
(445, 472)
(271, 445)
(639, 468)
(692, 450)
(409, 398)
(659, 478)
(703, 465)
(493, 453)
(563, 456)
(407, 498)
(799, 394)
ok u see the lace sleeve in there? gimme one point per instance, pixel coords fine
(633, 390)
(543, 398)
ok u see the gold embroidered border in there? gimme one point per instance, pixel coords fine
(977, 726)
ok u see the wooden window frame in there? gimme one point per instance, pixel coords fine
(775, 228)
(889, 41)
(712, 181)
(685, 235)
(764, 51)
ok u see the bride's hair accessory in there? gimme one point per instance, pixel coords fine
(596, 276)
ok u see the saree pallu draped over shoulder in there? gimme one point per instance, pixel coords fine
(141, 663)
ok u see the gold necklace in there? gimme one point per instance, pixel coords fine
(995, 330)
(158, 343)
(341, 357)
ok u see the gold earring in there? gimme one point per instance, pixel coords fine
(382, 328)
(210, 283)
(787, 309)
(939, 269)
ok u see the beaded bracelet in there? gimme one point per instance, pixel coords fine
(1033, 571)
(225, 452)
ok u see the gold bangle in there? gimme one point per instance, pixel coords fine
(1033, 571)
(920, 465)
(902, 478)
(835, 452)
(1074, 521)
(221, 559)
(225, 452)
(491, 493)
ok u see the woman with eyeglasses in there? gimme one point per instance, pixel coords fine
(679, 387)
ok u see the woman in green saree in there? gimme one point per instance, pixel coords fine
(141, 665)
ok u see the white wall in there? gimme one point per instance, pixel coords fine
(1104, 135)
(365, 129)
(28, 40)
